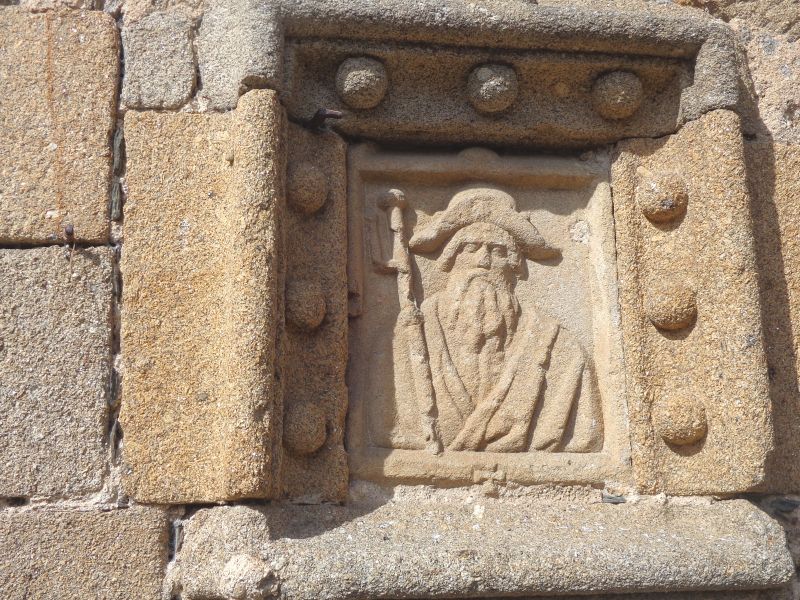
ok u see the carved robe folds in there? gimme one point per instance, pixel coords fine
(545, 397)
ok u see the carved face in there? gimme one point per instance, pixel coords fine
(481, 246)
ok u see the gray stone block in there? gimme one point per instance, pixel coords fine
(55, 368)
(159, 61)
(52, 554)
(414, 544)
(240, 46)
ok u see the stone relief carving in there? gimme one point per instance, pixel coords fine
(478, 325)
(486, 335)
(491, 373)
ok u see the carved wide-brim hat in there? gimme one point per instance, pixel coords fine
(482, 205)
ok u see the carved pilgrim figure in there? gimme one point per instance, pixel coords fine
(503, 376)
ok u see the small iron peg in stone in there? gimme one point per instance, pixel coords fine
(317, 122)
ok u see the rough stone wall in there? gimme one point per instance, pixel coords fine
(70, 70)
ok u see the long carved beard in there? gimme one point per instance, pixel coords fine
(481, 312)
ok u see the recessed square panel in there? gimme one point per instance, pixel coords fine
(484, 332)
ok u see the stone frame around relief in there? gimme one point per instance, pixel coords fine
(370, 166)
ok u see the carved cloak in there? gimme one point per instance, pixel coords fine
(545, 399)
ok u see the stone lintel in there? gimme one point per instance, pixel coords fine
(518, 25)
(257, 60)
(415, 545)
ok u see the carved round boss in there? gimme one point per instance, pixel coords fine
(662, 197)
(362, 82)
(304, 429)
(306, 188)
(305, 304)
(617, 95)
(671, 307)
(680, 420)
(492, 88)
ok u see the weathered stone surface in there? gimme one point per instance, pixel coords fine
(786, 511)
(314, 346)
(691, 316)
(774, 62)
(201, 408)
(783, 593)
(240, 46)
(159, 61)
(135, 10)
(58, 84)
(42, 5)
(778, 16)
(432, 96)
(55, 368)
(775, 188)
(484, 339)
(456, 543)
(50, 554)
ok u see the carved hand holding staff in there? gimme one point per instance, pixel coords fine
(411, 317)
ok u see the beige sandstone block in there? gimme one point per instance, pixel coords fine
(53, 554)
(698, 394)
(55, 369)
(58, 85)
(201, 407)
(775, 188)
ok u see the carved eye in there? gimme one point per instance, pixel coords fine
(471, 247)
(499, 251)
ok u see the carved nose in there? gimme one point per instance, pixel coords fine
(484, 260)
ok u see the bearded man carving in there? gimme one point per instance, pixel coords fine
(506, 377)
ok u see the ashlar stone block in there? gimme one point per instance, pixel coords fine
(159, 61)
(775, 188)
(240, 46)
(698, 399)
(484, 96)
(58, 96)
(461, 545)
(55, 369)
(51, 554)
(314, 343)
(201, 404)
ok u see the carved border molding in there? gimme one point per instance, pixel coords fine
(257, 59)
